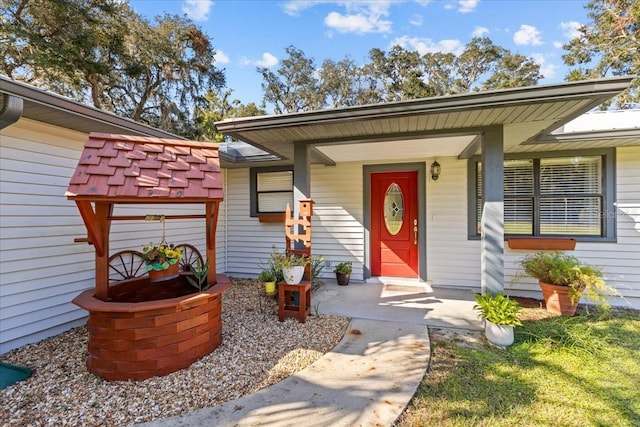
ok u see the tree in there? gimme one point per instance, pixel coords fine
(513, 70)
(295, 87)
(396, 75)
(68, 46)
(479, 58)
(400, 74)
(103, 53)
(220, 107)
(608, 45)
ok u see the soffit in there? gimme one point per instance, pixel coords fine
(444, 146)
(525, 113)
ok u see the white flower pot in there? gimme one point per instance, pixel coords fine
(293, 275)
(499, 335)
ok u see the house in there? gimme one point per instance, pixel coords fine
(354, 163)
(45, 261)
(429, 189)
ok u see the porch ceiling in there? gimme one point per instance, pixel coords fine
(436, 146)
(431, 126)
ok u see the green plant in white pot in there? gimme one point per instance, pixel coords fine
(292, 267)
(501, 316)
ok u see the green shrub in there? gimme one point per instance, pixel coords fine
(561, 269)
(498, 309)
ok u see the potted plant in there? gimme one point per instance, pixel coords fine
(268, 278)
(343, 273)
(161, 261)
(501, 316)
(563, 280)
(292, 267)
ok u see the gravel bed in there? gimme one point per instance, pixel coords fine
(255, 353)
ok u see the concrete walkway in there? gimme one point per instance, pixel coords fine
(400, 300)
(366, 380)
(369, 377)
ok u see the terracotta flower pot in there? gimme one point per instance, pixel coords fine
(557, 299)
(167, 274)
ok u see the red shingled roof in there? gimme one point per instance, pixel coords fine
(128, 168)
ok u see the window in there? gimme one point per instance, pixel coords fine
(271, 190)
(565, 195)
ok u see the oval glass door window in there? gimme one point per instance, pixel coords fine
(393, 209)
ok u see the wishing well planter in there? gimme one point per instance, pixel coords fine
(138, 329)
(139, 340)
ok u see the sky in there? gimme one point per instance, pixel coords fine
(248, 34)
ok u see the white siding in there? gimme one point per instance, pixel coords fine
(452, 259)
(338, 234)
(41, 268)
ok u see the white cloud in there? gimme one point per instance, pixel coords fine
(221, 57)
(361, 18)
(570, 29)
(198, 10)
(416, 20)
(467, 6)
(425, 45)
(558, 45)
(527, 35)
(293, 7)
(267, 61)
(548, 70)
(479, 31)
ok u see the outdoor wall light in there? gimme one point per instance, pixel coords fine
(435, 170)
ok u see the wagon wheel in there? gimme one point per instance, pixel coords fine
(125, 265)
(190, 256)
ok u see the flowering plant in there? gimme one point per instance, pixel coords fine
(160, 257)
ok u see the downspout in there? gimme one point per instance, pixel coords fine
(226, 224)
(11, 110)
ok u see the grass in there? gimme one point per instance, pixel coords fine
(578, 371)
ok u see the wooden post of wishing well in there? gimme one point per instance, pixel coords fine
(297, 233)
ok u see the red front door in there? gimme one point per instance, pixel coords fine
(394, 224)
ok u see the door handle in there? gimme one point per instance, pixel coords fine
(415, 231)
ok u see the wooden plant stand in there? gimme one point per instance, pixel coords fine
(285, 306)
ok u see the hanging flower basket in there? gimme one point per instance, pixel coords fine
(169, 273)
(162, 261)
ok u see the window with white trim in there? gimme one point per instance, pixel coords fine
(567, 195)
(271, 190)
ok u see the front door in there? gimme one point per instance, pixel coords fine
(394, 224)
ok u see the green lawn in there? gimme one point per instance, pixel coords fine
(579, 371)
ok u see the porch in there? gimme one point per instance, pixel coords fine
(399, 300)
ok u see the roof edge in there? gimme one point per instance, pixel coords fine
(68, 105)
(599, 88)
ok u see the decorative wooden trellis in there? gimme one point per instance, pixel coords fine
(299, 229)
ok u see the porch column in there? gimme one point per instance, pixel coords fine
(301, 179)
(492, 222)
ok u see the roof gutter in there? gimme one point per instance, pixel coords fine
(13, 88)
(600, 89)
(11, 110)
